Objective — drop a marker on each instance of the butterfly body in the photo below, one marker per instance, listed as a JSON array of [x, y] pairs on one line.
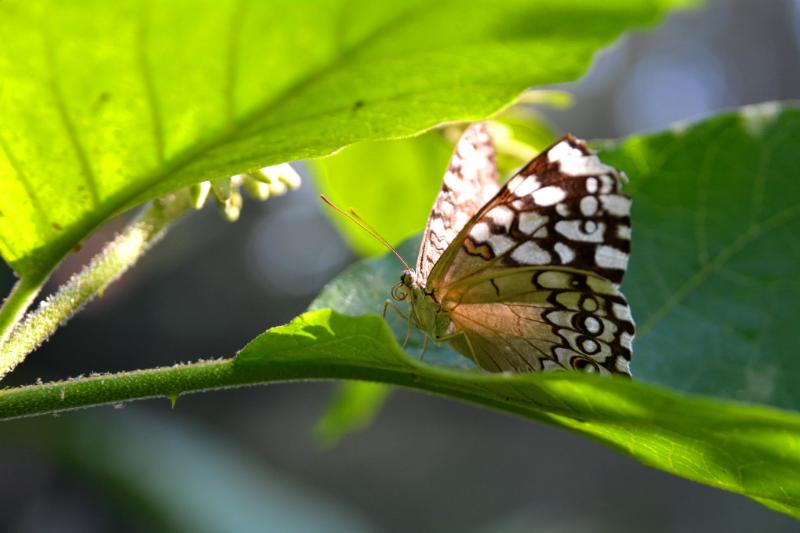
[[426, 312], [524, 277]]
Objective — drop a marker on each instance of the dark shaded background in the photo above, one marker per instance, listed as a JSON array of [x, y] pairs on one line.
[[427, 464]]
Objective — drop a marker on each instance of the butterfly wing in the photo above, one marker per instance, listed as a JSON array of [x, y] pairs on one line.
[[470, 182], [564, 208], [530, 282], [532, 319]]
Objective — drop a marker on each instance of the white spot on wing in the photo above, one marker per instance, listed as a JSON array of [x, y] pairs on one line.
[[607, 184], [609, 257], [626, 340], [480, 232], [591, 324], [526, 187], [549, 364], [502, 216], [541, 233], [529, 253], [501, 244], [591, 185], [588, 205], [585, 165], [571, 229], [616, 205], [530, 222], [589, 346], [514, 182], [560, 318], [564, 252], [622, 312], [562, 209], [561, 151], [624, 232], [574, 162], [549, 195]]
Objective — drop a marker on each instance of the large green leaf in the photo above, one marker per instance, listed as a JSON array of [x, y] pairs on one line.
[[713, 274], [751, 450], [713, 279], [107, 104]]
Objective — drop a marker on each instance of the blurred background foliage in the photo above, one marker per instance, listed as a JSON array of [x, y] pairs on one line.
[[425, 463]]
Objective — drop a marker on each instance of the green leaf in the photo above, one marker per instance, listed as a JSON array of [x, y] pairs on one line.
[[364, 288], [353, 407], [751, 450], [713, 279], [391, 184], [106, 105]]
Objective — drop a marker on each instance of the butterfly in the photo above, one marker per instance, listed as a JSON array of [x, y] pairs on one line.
[[525, 277]]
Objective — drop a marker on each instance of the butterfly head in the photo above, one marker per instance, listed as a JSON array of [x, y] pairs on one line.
[[426, 311], [406, 287]]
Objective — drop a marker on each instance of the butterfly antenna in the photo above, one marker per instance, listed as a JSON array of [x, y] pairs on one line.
[[354, 217]]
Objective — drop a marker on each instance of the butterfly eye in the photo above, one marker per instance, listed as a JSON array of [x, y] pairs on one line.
[[407, 278], [584, 365]]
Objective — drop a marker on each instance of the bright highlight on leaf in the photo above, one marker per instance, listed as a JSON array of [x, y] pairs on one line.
[[182, 92], [751, 450]]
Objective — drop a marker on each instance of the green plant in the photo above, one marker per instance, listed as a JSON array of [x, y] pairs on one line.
[[98, 122]]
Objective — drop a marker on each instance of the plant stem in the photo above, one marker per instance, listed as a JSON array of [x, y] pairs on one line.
[[19, 300], [116, 257], [208, 375], [102, 389]]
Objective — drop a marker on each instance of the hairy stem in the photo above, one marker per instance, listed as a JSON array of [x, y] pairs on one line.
[[19, 300], [102, 389], [29, 332], [207, 375]]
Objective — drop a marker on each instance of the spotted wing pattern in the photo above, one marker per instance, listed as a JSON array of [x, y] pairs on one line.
[[530, 282], [527, 320], [470, 182], [564, 208]]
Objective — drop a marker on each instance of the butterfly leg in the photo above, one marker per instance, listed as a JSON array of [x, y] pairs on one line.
[[466, 339], [389, 304], [424, 347]]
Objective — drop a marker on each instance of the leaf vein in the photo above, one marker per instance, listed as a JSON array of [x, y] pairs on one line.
[[752, 234], [42, 220], [146, 74], [67, 122]]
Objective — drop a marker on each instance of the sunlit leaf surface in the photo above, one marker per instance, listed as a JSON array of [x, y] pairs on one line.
[[107, 104], [751, 450]]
